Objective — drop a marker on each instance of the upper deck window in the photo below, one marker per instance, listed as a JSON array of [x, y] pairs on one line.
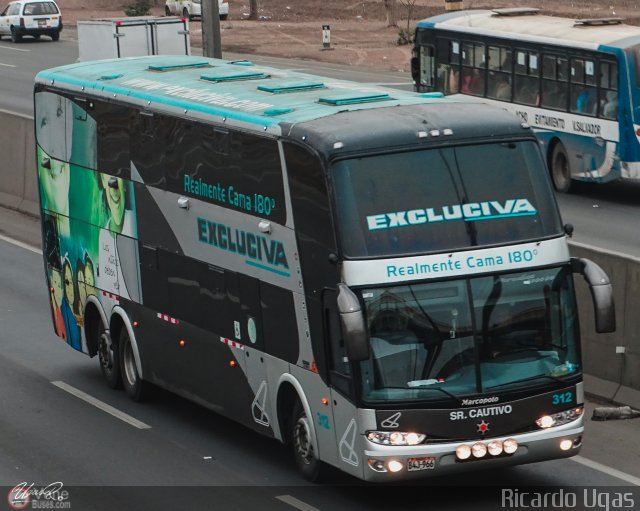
[[437, 200]]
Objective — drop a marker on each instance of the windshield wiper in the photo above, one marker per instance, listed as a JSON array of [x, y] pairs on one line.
[[531, 378], [451, 395]]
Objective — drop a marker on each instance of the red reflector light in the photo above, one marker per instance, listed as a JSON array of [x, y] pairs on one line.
[[184, 19], [182, 343], [638, 132], [118, 23], [232, 363], [135, 324]]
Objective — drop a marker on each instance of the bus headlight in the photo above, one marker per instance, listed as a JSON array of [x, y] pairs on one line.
[[557, 419], [396, 437]]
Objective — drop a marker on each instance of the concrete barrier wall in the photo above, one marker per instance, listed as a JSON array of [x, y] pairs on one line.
[[18, 180], [609, 374]]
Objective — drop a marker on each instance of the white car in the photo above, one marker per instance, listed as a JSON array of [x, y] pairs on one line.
[[31, 17], [189, 9]]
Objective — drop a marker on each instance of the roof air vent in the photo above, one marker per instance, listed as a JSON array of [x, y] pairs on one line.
[[594, 22], [515, 11], [280, 88], [355, 99], [225, 75], [163, 68]]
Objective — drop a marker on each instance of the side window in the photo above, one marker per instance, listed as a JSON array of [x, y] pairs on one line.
[[608, 90], [113, 138], [554, 82], [527, 72], [448, 66], [499, 80], [473, 69], [583, 93], [51, 119]]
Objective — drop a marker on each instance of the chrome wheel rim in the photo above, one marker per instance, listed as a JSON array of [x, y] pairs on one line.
[[129, 365], [105, 351], [302, 440]]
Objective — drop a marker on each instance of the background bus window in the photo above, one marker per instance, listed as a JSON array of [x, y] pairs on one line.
[[473, 69], [527, 72], [499, 79], [554, 82], [448, 66], [608, 90], [427, 65], [584, 99]]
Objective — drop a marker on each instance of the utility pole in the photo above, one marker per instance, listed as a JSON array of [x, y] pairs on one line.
[[211, 40]]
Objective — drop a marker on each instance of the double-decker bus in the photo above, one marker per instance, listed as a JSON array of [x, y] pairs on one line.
[[574, 81], [379, 278]]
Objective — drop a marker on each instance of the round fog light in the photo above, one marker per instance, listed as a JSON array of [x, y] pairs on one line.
[[566, 444], [479, 450], [510, 446], [495, 448], [395, 466], [463, 452]]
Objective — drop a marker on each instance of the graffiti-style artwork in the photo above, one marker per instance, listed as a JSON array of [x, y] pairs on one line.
[[85, 213]]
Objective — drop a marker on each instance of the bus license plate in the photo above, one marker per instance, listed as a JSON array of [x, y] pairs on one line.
[[415, 464]]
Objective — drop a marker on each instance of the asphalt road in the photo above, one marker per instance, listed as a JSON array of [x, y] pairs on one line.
[[188, 457]]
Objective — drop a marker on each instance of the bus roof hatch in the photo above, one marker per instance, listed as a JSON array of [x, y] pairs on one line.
[[515, 11], [593, 22]]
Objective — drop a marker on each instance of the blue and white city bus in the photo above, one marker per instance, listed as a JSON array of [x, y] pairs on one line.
[[576, 82], [378, 278]]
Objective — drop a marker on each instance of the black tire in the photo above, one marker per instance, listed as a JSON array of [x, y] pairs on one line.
[[560, 169], [224, 17], [37, 37], [15, 37], [310, 466], [185, 13], [55, 35], [135, 387], [109, 358], [167, 11]]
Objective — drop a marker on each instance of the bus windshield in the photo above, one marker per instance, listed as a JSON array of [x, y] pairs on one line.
[[467, 336], [442, 199]]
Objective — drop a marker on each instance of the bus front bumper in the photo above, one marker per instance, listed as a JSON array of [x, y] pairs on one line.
[[440, 459]]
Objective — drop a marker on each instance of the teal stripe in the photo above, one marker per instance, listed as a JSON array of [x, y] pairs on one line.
[[263, 267], [498, 216]]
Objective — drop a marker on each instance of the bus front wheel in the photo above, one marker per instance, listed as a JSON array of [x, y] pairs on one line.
[[136, 388], [310, 466], [560, 169], [109, 360]]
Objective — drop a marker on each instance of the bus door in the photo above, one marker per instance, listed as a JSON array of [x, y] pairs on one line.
[[345, 419]]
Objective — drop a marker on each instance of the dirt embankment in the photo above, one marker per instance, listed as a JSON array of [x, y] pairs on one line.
[[360, 35]]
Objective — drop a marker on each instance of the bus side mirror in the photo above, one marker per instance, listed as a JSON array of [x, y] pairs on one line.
[[352, 322], [601, 293]]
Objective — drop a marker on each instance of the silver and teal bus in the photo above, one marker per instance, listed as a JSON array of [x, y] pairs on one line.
[[576, 82], [378, 278]]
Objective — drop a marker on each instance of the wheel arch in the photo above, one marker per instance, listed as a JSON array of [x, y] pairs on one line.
[[94, 317], [120, 320], [289, 389]]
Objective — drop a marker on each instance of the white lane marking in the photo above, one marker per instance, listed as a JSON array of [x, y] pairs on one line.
[[17, 243], [607, 470], [14, 49], [6, 65], [298, 504], [101, 405]]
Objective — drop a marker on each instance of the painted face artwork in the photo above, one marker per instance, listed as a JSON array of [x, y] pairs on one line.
[[115, 197], [69, 290], [89, 278], [82, 290], [55, 181], [56, 285]]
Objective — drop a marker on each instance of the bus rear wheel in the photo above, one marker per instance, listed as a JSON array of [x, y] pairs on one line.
[[109, 360], [136, 388], [560, 169], [310, 466]]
